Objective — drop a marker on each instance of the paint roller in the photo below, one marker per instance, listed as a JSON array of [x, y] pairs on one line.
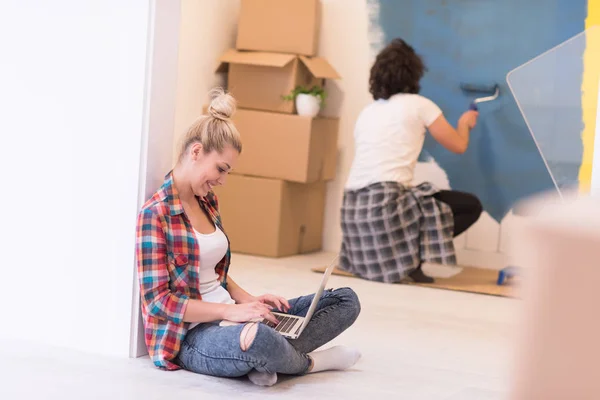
[[492, 91]]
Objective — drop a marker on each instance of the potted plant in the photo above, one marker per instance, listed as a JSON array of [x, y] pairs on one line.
[[308, 101]]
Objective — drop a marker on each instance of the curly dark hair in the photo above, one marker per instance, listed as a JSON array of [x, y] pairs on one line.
[[397, 69]]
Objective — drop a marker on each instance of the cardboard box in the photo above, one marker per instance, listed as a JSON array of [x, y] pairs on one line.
[[281, 26], [259, 80], [288, 147], [271, 217]]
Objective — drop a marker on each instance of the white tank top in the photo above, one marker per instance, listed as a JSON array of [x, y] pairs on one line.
[[213, 247]]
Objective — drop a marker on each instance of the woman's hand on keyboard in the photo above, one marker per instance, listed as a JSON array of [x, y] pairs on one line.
[[278, 302], [249, 311]]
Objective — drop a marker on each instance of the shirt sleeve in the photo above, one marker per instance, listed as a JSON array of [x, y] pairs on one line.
[[428, 111], [153, 274]]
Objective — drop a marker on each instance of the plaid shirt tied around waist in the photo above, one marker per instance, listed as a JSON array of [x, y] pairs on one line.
[[389, 229]]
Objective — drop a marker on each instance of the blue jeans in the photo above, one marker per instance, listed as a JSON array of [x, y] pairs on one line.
[[215, 350]]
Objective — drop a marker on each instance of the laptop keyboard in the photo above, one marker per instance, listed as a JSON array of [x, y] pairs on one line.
[[286, 323]]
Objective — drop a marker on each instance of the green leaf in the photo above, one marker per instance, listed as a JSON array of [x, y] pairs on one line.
[[314, 91]]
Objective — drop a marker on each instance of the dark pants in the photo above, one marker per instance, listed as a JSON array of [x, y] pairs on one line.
[[466, 208]]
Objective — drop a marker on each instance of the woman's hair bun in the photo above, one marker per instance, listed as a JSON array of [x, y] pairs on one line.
[[222, 105]]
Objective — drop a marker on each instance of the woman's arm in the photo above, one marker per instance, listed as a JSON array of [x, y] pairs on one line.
[[455, 140], [153, 275], [201, 311], [237, 293], [242, 297]]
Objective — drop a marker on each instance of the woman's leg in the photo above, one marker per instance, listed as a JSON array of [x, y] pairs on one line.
[[466, 208], [233, 351], [336, 311]]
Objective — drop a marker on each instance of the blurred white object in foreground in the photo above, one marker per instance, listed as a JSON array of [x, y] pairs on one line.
[[558, 247]]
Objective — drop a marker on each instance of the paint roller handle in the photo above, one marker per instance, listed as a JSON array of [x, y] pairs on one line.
[[473, 107]]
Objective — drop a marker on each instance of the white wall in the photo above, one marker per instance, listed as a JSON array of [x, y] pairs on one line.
[[72, 80], [159, 121], [208, 28], [344, 22], [347, 22]]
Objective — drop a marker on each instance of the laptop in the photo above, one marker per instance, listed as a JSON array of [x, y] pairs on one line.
[[291, 326]]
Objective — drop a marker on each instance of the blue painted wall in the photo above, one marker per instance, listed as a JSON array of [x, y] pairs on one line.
[[481, 41]]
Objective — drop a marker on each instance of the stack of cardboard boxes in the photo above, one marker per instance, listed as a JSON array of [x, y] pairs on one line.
[[273, 203]]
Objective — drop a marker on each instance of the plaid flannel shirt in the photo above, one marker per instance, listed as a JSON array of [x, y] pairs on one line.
[[389, 229], [168, 266]]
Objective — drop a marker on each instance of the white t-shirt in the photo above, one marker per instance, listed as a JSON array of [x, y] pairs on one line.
[[213, 247], [389, 136]]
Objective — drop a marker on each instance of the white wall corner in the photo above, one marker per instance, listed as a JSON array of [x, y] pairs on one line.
[[159, 121]]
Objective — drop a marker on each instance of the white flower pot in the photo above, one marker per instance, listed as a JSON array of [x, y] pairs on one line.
[[308, 105]]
